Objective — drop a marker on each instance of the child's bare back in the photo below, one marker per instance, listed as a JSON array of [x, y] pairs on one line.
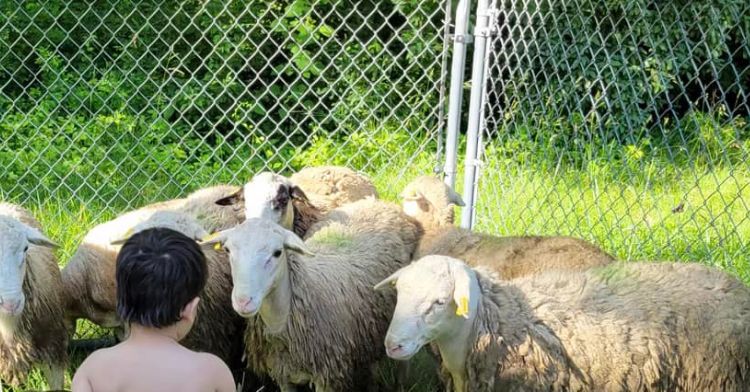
[[160, 275], [149, 363]]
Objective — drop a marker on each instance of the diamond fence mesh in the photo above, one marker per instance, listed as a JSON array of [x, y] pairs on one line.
[[623, 122], [110, 105]]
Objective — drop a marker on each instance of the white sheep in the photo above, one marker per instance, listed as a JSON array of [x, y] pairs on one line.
[[431, 203], [298, 202], [32, 331], [329, 187], [89, 276], [621, 327], [312, 315]]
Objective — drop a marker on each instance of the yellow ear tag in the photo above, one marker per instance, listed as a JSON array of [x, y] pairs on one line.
[[217, 246], [463, 307]]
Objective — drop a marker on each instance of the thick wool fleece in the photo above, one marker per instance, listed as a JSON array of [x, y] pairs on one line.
[[39, 336], [512, 257], [329, 187], [337, 322], [622, 327]]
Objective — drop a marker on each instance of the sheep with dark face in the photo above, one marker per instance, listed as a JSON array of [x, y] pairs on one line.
[[621, 327], [32, 331], [298, 202], [431, 203], [313, 318], [274, 197]]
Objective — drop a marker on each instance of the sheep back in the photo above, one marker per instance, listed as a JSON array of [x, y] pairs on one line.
[[329, 187], [625, 326], [202, 206], [513, 257], [89, 276], [337, 322]]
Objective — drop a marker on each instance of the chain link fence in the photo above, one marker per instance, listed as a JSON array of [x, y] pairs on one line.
[[109, 105], [114, 104], [623, 122]]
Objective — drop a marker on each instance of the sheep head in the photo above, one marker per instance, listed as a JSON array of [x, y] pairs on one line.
[[270, 196], [15, 239], [430, 200], [258, 251], [437, 296]]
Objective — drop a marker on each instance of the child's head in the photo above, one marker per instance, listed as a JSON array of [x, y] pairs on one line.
[[160, 274]]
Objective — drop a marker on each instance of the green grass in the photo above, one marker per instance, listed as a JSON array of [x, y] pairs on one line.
[[623, 205]]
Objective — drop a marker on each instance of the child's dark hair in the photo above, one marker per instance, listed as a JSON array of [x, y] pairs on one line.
[[159, 271]]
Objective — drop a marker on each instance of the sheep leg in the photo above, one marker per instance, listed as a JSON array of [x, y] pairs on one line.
[[55, 375]]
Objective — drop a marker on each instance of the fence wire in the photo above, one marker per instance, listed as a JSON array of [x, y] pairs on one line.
[[122, 102], [623, 122], [110, 105]]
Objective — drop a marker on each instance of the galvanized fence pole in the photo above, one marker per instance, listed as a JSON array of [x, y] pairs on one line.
[[460, 40], [482, 32]]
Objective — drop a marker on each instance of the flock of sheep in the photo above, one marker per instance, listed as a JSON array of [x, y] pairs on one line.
[[313, 281]]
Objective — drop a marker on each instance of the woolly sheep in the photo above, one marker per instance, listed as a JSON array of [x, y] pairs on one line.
[[89, 276], [274, 197], [318, 320], [312, 191], [31, 310], [621, 327], [217, 328], [329, 187], [431, 202]]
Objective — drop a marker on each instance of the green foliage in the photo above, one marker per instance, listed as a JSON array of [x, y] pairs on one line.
[[113, 99], [620, 71]]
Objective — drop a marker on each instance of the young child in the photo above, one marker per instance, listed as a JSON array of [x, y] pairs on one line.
[[160, 274]]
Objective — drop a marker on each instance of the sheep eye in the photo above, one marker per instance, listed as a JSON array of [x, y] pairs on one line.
[[226, 249], [440, 302], [277, 253], [26, 249]]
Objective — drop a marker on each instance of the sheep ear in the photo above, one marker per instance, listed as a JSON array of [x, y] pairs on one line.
[[391, 279], [124, 237], [462, 281], [297, 193], [409, 195], [295, 244], [235, 198], [454, 198], [215, 240], [416, 202], [35, 237]]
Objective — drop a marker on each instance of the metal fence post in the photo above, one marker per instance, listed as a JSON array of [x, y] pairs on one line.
[[460, 40], [482, 33]]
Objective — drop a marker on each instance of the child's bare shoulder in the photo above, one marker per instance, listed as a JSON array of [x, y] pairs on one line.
[[99, 358], [216, 370], [209, 361]]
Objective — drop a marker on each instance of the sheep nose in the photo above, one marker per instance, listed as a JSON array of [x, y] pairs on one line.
[[10, 306], [245, 305], [392, 347]]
